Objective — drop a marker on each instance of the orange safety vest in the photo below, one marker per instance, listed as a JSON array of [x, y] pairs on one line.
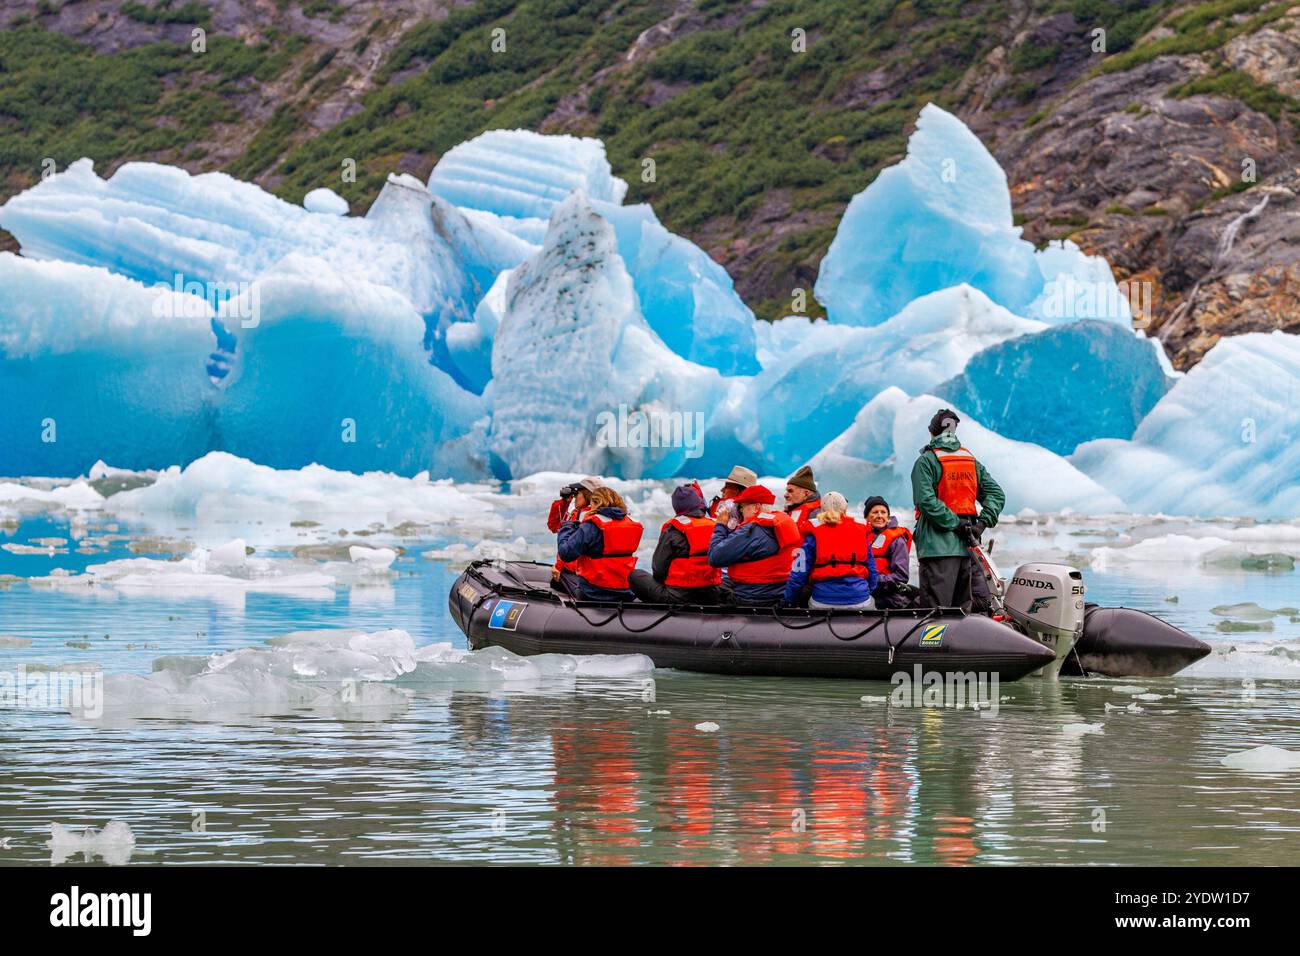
[[959, 482], [775, 568], [611, 569], [887, 538], [843, 550], [694, 570]]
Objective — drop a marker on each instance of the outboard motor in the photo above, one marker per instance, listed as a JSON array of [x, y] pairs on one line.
[[1046, 601]]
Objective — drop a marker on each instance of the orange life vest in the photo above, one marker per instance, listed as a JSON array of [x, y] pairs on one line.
[[887, 537], [692, 571], [776, 567], [959, 482], [620, 538], [843, 550]]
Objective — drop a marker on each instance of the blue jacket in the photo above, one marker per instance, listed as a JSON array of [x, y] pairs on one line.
[[849, 589], [578, 538], [749, 542]]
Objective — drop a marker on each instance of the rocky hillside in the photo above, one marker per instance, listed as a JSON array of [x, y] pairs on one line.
[[1169, 144]]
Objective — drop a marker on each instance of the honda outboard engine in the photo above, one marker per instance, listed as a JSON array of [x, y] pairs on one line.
[[1046, 601]]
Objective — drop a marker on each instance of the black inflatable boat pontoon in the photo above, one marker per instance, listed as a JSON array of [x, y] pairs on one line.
[[512, 605]]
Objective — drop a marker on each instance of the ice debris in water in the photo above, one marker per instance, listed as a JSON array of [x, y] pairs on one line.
[[9, 640], [113, 843], [707, 727], [1079, 730], [343, 673], [1265, 758]]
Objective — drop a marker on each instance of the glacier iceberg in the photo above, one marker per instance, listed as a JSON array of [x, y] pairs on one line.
[[572, 346], [940, 218], [1220, 442], [1061, 386], [817, 376], [513, 180], [94, 365], [874, 456]]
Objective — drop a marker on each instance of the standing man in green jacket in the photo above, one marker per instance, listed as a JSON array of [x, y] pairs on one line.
[[956, 501]]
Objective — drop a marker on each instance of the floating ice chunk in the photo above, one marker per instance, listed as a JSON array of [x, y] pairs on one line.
[[325, 202], [873, 699], [1151, 697], [10, 641], [114, 843], [707, 727], [372, 557], [1266, 758], [1220, 441], [1079, 730], [232, 554], [1130, 689]]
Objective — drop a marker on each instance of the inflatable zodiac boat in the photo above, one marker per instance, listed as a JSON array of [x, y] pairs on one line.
[[512, 605]]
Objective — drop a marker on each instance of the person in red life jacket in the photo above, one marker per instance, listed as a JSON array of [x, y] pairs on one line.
[[736, 482], [835, 559], [891, 547], [602, 549], [756, 546], [802, 500], [572, 505], [680, 570], [956, 501]]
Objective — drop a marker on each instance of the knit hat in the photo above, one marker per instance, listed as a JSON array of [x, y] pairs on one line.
[[755, 495], [941, 421], [803, 478], [872, 502], [740, 475], [687, 498]]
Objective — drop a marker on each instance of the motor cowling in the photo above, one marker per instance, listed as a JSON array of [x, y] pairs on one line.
[[1046, 600]]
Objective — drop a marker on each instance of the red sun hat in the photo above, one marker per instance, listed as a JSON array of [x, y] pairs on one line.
[[755, 495]]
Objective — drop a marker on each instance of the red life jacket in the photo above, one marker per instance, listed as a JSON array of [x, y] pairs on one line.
[[560, 563], [621, 538], [803, 514], [775, 568], [886, 539], [959, 482], [693, 571], [843, 550]]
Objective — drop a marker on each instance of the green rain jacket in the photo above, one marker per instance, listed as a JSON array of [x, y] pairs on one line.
[[934, 536]]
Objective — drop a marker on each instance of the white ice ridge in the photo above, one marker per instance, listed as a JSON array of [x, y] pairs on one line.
[[1266, 759]]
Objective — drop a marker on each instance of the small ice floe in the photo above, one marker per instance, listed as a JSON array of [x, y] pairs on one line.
[[1134, 708], [874, 699], [325, 202], [9, 640], [113, 844], [1128, 689], [232, 554], [707, 727], [658, 713], [1152, 697], [1266, 758], [372, 557], [1080, 730]]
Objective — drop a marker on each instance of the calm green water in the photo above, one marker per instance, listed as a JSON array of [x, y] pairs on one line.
[[616, 771]]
